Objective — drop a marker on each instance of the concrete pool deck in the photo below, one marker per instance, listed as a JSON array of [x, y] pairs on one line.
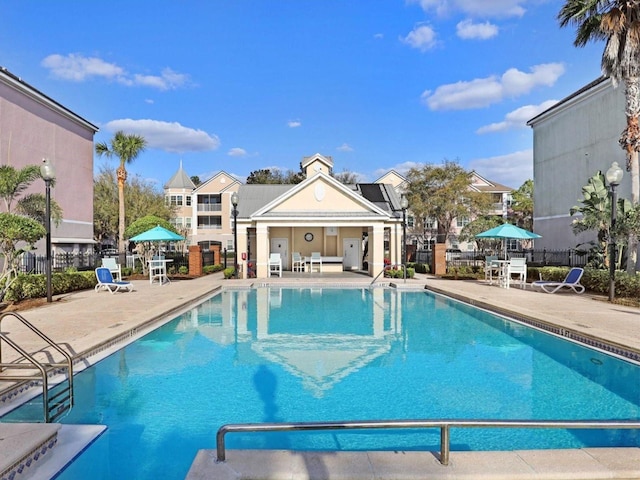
[[88, 322]]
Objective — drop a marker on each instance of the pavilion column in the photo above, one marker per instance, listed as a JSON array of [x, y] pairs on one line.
[[376, 249], [242, 248], [262, 251]]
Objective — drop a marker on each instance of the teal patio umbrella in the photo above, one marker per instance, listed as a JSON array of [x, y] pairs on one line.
[[157, 234], [508, 231]]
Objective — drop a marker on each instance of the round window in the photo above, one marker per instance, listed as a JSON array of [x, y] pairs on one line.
[[308, 236]]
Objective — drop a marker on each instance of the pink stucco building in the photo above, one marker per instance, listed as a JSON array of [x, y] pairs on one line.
[[34, 126]]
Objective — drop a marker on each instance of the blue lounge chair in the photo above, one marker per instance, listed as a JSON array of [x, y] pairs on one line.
[[572, 281], [106, 281]]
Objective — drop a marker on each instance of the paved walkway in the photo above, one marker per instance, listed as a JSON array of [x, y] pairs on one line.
[[87, 322]]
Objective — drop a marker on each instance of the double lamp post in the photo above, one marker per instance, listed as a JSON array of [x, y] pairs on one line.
[[614, 177]]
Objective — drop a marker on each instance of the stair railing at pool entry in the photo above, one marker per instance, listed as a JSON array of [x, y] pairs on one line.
[[444, 426], [374, 280], [26, 367]]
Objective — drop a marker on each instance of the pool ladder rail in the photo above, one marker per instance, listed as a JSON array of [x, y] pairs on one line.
[[445, 427], [48, 361]]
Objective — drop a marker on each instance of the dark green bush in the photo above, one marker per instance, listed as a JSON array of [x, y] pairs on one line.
[[212, 269], [28, 286]]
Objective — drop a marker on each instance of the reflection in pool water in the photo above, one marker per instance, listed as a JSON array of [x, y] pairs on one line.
[[272, 354]]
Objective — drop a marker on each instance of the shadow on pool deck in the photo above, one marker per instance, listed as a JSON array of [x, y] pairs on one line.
[[88, 321]]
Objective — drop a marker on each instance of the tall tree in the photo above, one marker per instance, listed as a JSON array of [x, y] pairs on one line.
[[617, 22], [346, 177], [140, 199], [522, 205], [274, 176], [442, 192], [126, 147]]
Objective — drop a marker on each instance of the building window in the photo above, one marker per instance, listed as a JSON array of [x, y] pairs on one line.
[[187, 222], [174, 200], [462, 222], [209, 222], [430, 224], [187, 200], [410, 221]]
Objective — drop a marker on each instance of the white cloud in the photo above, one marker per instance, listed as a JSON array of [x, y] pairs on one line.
[[237, 152], [378, 36], [423, 38], [467, 30], [401, 168], [294, 123], [345, 147], [78, 68], [511, 170], [168, 136], [482, 92], [517, 118], [476, 8]]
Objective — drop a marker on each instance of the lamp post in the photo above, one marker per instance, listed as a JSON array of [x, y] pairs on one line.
[[613, 176], [404, 203], [48, 174], [234, 202]]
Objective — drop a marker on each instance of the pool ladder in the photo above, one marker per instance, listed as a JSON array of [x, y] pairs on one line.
[[39, 366]]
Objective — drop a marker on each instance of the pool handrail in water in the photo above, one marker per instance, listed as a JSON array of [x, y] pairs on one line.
[[443, 425]]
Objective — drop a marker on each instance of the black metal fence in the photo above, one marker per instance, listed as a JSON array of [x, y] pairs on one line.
[[60, 262], [537, 258]]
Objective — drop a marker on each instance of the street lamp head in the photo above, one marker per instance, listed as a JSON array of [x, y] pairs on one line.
[[234, 199], [47, 171], [614, 174], [404, 202]]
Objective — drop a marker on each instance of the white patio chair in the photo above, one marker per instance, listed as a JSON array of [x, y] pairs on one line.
[[158, 270], [297, 264], [316, 259], [518, 266], [491, 268], [113, 267], [275, 264]]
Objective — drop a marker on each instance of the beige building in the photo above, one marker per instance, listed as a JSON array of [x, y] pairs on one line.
[[34, 126], [353, 227]]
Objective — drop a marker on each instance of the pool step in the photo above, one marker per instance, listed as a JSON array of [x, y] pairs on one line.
[[23, 445]]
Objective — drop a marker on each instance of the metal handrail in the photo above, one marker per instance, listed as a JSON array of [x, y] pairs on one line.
[[376, 277], [443, 425], [68, 361]]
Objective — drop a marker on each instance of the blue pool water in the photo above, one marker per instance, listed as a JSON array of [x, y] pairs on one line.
[[271, 354]]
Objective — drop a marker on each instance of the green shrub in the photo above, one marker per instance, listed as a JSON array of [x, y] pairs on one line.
[[212, 269], [229, 272], [28, 286], [183, 270]]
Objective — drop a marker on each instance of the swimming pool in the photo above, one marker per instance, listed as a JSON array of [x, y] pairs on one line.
[[272, 354]]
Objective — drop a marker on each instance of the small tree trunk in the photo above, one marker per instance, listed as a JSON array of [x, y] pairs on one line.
[[122, 178]]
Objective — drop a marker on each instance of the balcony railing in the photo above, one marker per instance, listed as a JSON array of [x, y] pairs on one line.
[[209, 207]]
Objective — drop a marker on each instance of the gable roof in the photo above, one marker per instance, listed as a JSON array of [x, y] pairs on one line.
[[234, 181], [365, 207]]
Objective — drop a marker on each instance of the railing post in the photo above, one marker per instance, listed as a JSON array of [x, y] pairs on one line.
[[444, 445], [220, 450]]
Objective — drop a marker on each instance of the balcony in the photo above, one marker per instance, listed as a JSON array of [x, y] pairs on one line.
[[209, 207]]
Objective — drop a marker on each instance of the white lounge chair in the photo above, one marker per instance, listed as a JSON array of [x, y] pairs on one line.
[[106, 281], [275, 264], [113, 267], [518, 266], [572, 281], [316, 259], [297, 264]]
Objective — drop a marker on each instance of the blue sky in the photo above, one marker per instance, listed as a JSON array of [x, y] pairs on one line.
[[238, 85]]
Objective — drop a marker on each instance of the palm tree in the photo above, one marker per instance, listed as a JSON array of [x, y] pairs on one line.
[[617, 22], [14, 182], [126, 147]]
